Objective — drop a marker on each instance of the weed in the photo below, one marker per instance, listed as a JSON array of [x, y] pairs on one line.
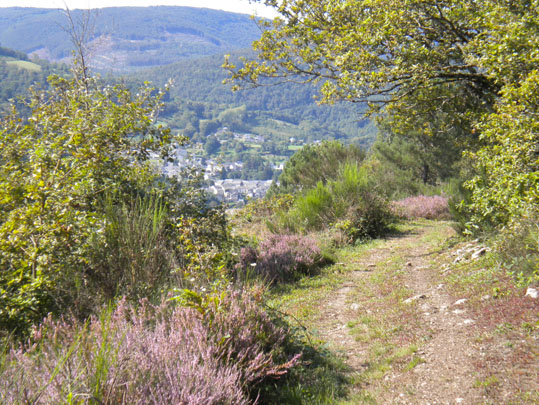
[[416, 360]]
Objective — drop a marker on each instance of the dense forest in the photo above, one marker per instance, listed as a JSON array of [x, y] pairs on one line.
[[198, 97], [119, 284], [18, 73]]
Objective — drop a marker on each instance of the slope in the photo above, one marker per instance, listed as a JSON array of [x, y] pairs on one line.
[[127, 38], [281, 111]]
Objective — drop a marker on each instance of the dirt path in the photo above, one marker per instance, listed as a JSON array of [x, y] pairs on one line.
[[445, 348]]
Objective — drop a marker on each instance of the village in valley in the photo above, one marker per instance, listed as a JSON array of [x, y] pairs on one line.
[[224, 172]]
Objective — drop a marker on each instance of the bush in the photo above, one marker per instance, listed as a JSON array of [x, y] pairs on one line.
[[367, 220], [315, 163], [152, 355], [516, 247], [81, 141], [248, 338], [348, 202], [281, 257], [421, 206]]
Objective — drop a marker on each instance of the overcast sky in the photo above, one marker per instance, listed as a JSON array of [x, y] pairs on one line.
[[237, 6]]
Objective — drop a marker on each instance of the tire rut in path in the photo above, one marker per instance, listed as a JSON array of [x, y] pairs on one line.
[[446, 374]]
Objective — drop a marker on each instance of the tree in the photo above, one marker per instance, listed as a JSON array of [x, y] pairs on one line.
[[409, 60], [457, 69], [83, 142], [380, 51], [315, 163], [506, 186], [212, 145]]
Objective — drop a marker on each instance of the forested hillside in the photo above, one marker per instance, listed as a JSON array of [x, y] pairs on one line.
[[18, 73], [199, 103], [127, 38]]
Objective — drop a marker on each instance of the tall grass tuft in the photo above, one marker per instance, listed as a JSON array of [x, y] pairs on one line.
[[348, 202], [132, 256]]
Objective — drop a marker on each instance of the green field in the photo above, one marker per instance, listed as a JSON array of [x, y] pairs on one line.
[[22, 64]]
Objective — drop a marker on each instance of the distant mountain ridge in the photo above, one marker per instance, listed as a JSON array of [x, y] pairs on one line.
[[186, 44], [129, 38]]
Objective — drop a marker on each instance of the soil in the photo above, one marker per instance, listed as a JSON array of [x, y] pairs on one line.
[[448, 328]]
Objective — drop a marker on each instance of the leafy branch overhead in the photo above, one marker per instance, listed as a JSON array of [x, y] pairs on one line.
[[377, 51], [433, 71]]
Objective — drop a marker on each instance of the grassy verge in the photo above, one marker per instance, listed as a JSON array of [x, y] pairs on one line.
[[507, 328]]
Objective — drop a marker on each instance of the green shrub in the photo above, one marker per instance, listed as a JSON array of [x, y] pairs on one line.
[[517, 248], [85, 214], [348, 202], [81, 141], [315, 163]]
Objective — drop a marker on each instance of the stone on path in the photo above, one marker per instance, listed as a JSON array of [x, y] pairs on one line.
[[532, 292], [414, 298]]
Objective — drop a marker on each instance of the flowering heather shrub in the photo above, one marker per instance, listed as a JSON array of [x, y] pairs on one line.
[[434, 207], [281, 257], [152, 355], [248, 338]]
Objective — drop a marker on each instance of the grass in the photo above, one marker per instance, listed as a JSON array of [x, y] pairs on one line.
[[294, 147], [303, 297]]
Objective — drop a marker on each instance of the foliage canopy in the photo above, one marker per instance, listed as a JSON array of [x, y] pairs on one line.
[[463, 70], [82, 143]]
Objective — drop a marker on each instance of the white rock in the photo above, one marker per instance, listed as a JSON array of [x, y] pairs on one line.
[[460, 302], [532, 292], [355, 307], [485, 297], [459, 400], [458, 311], [440, 286], [479, 253], [468, 321], [414, 298]]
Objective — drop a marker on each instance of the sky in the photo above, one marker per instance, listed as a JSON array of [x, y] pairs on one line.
[[237, 6]]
